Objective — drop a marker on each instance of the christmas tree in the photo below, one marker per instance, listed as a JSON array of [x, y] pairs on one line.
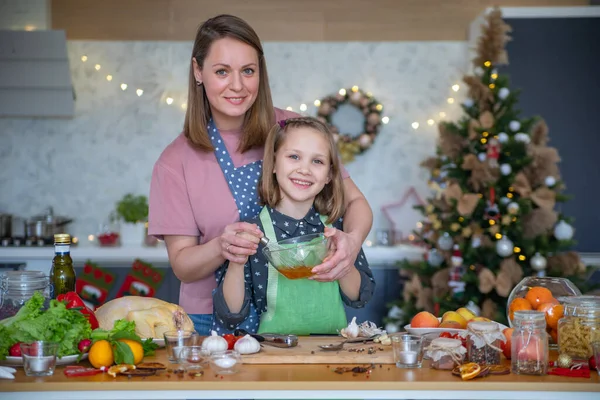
[[493, 218]]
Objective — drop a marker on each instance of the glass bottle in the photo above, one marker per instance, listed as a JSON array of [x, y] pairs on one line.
[[62, 274], [484, 342], [580, 326], [16, 287], [529, 347], [445, 353]]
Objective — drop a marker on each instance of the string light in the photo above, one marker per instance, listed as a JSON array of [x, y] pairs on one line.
[[491, 85], [517, 249], [385, 120], [442, 114], [450, 100], [379, 107], [289, 108], [123, 86], [483, 140], [415, 125], [97, 67], [456, 88], [169, 100], [498, 236], [355, 88], [109, 78], [184, 106], [430, 122], [494, 76], [139, 92], [522, 257], [487, 63], [303, 107], [84, 58], [342, 92], [484, 134], [492, 222], [317, 103]]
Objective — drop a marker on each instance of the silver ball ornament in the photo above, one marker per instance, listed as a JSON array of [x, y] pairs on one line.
[[538, 262], [514, 125], [445, 241], [563, 231], [505, 169], [434, 257], [503, 93], [550, 181], [513, 208], [504, 247], [502, 137], [482, 157]]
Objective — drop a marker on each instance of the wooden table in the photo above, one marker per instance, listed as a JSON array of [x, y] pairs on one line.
[[299, 381]]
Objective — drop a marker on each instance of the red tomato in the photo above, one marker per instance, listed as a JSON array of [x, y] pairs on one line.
[[446, 335], [15, 350], [231, 339]]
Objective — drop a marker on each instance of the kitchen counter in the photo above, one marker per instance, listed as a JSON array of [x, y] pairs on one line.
[[300, 381]]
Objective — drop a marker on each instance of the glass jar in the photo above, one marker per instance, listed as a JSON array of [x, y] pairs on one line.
[[445, 353], [16, 287], [529, 343], [580, 326], [484, 342]]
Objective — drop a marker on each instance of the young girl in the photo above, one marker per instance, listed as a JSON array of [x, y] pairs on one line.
[[302, 192]]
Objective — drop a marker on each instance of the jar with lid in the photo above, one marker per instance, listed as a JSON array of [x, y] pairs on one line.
[[580, 326], [445, 353], [484, 341], [529, 343], [16, 287]]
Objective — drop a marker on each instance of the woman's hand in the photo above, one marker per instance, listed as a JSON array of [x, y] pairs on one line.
[[346, 248], [240, 240]]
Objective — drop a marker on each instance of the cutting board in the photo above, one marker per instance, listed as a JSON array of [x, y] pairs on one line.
[[308, 352]]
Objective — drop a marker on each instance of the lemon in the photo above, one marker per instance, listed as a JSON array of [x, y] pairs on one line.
[[101, 354], [136, 349]]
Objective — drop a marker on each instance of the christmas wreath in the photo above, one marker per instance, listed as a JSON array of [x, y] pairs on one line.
[[348, 145]]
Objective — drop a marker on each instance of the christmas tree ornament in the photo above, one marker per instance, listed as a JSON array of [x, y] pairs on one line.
[[491, 210], [456, 259], [395, 312], [474, 308], [503, 93], [482, 157], [504, 247], [504, 201], [503, 137], [505, 169], [478, 71], [476, 242], [468, 102], [513, 208], [514, 125], [563, 231], [550, 181], [564, 360], [522, 137], [457, 272], [538, 262], [493, 152], [434, 257], [445, 241]]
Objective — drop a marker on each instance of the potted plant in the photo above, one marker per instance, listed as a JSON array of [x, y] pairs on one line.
[[132, 210]]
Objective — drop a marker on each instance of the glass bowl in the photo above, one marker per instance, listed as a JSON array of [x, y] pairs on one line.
[[225, 362], [527, 293], [193, 357], [295, 258]]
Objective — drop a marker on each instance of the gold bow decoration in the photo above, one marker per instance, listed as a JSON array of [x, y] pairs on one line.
[[466, 202], [542, 196]]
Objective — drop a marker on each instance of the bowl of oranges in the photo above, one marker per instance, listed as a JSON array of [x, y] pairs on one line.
[[541, 294]]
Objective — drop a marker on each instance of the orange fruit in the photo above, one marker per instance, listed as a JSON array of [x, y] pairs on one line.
[[553, 314], [115, 369], [554, 335], [101, 354], [518, 304], [136, 349], [538, 295]]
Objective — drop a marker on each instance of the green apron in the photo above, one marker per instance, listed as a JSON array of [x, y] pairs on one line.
[[299, 306]]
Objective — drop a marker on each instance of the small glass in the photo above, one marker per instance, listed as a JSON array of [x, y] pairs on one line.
[[39, 358], [596, 348], [175, 340], [225, 362], [408, 350], [193, 357]]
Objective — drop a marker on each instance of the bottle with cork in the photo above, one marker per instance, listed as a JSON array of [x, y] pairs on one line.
[[62, 274]]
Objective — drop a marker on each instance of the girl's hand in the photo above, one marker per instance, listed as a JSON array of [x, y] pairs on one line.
[[336, 266], [239, 240]]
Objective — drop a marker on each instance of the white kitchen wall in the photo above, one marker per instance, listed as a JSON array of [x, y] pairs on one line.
[[82, 166]]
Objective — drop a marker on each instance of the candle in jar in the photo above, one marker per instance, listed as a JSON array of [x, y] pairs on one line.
[[408, 357], [40, 364], [227, 362]]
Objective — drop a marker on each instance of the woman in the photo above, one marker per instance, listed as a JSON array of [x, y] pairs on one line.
[[204, 182]]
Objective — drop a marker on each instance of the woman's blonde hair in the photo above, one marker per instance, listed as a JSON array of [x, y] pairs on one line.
[[330, 201], [261, 115]]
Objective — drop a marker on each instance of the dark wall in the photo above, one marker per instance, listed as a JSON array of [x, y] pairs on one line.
[[556, 64]]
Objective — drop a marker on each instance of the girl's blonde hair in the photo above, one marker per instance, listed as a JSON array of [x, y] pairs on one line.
[[261, 115], [330, 201]]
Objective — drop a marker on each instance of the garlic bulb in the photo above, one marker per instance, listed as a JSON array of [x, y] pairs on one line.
[[368, 329], [247, 345], [351, 331], [214, 343]]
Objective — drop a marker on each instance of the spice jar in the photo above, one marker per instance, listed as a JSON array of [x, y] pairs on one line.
[[16, 287], [484, 342], [580, 326], [445, 353], [529, 348]]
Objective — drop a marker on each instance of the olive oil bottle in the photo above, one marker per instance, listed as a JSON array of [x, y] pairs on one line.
[[62, 274]]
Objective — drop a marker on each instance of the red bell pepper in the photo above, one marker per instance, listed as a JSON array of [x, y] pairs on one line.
[[72, 300]]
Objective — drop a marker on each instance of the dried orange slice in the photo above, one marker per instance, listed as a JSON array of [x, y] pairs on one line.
[[120, 368], [469, 371]]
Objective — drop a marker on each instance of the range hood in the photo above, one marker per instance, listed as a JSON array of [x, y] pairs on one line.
[[35, 80]]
